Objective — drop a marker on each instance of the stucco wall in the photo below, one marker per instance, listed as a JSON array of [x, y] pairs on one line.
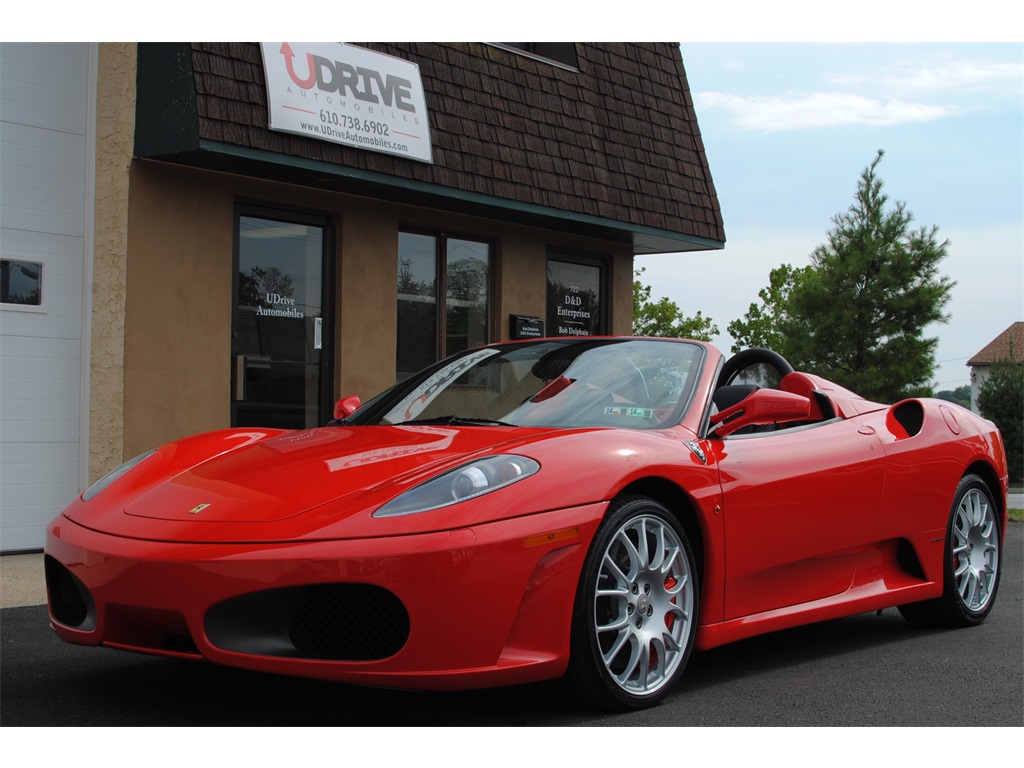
[[365, 300], [115, 121], [178, 331]]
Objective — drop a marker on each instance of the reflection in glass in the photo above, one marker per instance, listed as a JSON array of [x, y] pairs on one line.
[[462, 267], [467, 283], [574, 299], [21, 282], [636, 384], [417, 302], [275, 345]]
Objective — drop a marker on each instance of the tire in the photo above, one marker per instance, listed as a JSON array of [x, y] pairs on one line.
[[636, 608], [971, 565]]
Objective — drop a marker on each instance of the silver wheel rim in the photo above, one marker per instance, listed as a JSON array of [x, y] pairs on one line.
[[975, 540], [643, 605]]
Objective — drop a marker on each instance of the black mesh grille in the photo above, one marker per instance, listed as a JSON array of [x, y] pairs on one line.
[[910, 415], [70, 603], [336, 622], [354, 622]]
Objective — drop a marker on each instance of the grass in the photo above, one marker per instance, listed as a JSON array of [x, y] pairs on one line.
[[1017, 515]]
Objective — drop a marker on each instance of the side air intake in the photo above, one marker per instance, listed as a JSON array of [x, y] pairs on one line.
[[910, 416]]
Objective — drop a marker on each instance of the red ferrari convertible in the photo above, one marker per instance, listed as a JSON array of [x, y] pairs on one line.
[[590, 509]]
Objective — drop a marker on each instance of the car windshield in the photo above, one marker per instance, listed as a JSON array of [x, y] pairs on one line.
[[632, 383]]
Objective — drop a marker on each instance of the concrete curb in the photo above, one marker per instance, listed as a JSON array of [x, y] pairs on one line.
[[22, 581]]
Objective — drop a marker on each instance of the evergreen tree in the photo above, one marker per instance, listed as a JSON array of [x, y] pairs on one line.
[[858, 314], [1001, 400]]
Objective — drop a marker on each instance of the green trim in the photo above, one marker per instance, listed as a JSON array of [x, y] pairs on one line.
[[406, 186]]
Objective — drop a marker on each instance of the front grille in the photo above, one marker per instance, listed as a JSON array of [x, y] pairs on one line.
[[70, 602], [335, 622]]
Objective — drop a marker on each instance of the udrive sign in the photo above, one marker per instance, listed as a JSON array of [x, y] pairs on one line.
[[348, 95]]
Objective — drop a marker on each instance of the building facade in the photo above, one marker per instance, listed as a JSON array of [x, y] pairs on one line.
[[1005, 349], [263, 228]]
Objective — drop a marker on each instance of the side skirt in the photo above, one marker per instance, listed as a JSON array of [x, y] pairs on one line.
[[873, 596]]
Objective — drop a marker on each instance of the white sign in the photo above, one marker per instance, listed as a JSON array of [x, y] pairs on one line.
[[348, 95]]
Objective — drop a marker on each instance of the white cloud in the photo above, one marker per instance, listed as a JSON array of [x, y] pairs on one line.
[[958, 76], [819, 110]]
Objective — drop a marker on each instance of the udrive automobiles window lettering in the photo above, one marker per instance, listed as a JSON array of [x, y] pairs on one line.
[[361, 97]]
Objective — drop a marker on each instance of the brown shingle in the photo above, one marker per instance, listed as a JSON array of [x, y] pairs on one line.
[[1009, 345], [622, 128]]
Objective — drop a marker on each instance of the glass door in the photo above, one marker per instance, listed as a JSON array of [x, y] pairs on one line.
[[280, 347]]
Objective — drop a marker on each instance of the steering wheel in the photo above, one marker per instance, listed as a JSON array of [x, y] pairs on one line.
[[749, 357]]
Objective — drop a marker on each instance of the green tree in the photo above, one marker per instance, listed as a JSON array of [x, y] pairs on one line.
[[858, 314], [253, 287], [960, 395], [664, 317], [1001, 400], [760, 327]]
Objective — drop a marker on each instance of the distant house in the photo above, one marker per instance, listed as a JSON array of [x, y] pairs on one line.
[[1009, 345]]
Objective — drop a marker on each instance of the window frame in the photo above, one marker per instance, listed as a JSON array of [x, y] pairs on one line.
[[602, 263], [441, 241], [44, 270], [529, 51]]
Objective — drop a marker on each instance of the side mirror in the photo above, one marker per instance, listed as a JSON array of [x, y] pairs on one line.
[[764, 406], [346, 407]]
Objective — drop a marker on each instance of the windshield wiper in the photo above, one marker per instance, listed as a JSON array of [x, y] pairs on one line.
[[454, 420]]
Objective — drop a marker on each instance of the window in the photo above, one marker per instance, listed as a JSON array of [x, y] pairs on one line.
[[433, 324], [559, 53], [281, 339], [575, 297], [21, 284]]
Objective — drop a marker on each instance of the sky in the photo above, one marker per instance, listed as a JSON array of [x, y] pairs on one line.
[[789, 127]]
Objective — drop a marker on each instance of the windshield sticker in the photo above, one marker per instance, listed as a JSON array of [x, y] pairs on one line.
[[640, 413]]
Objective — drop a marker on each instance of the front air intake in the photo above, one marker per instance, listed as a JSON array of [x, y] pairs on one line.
[[70, 602], [335, 622], [355, 622]]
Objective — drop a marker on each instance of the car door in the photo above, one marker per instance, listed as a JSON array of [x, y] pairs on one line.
[[799, 506]]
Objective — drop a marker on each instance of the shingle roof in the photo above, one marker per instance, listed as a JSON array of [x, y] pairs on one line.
[[618, 139], [1008, 345]]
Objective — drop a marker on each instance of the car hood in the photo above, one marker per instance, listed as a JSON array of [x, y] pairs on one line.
[[294, 472], [249, 486]]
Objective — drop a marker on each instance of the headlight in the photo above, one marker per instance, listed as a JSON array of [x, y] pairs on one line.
[[465, 482], [110, 477]]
